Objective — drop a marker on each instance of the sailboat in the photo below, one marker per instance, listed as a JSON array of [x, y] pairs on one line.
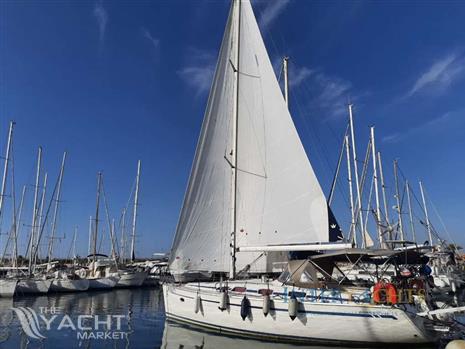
[[252, 197], [101, 273], [130, 276], [8, 285], [63, 279]]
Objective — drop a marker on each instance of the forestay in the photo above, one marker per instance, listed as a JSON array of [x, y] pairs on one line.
[[279, 199]]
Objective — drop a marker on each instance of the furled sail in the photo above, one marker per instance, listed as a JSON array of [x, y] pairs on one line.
[[278, 197]]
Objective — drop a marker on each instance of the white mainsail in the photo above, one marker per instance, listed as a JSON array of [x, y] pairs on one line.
[[278, 197]]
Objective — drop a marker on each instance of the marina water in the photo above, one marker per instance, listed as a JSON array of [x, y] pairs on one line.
[[90, 320]]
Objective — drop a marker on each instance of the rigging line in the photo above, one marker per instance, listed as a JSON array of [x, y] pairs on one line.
[[247, 267], [322, 157], [36, 250], [306, 86], [435, 233], [312, 132], [362, 186], [336, 173], [15, 222], [315, 135], [133, 188], [440, 219], [253, 174], [114, 244], [322, 153], [281, 67], [250, 75]]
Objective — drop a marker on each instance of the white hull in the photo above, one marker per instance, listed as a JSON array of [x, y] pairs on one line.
[[7, 287], [33, 286], [102, 283], [68, 285], [131, 279], [332, 320]]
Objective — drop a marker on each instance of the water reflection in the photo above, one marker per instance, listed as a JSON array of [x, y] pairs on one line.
[[177, 336], [144, 323], [140, 312]]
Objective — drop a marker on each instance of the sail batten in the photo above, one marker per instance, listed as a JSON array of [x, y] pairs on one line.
[[276, 198]]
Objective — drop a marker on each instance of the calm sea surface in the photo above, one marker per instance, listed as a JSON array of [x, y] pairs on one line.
[[107, 319]]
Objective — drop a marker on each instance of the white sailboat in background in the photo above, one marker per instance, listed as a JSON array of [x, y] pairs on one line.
[[101, 273], [32, 283], [132, 277], [7, 285], [64, 279], [252, 197]]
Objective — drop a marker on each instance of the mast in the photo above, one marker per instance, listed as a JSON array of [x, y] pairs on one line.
[[94, 247], [338, 167], [90, 235], [134, 217], [34, 210], [113, 247], [399, 210], [55, 210], [111, 231], [5, 167], [428, 225], [41, 211], [286, 80], [375, 178], [383, 189], [17, 228], [357, 183], [74, 243], [351, 195], [123, 235], [410, 214], [232, 271]]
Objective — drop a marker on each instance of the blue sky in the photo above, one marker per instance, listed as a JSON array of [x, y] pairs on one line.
[[112, 82]]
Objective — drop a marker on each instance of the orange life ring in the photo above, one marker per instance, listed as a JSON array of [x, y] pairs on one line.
[[384, 293]]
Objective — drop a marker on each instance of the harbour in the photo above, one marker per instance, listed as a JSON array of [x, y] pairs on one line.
[[285, 216], [143, 323]]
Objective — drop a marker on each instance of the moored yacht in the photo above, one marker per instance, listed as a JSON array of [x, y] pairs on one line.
[[69, 280], [131, 278], [101, 273], [8, 287], [252, 198], [33, 285]]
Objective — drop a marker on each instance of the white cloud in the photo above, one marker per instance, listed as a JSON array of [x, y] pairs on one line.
[[331, 94], [327, 95], [101, 15], [429, 124], [299, 75], [271, 11], [154, 41], [199, 73], [440, 75], [392, 138]]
